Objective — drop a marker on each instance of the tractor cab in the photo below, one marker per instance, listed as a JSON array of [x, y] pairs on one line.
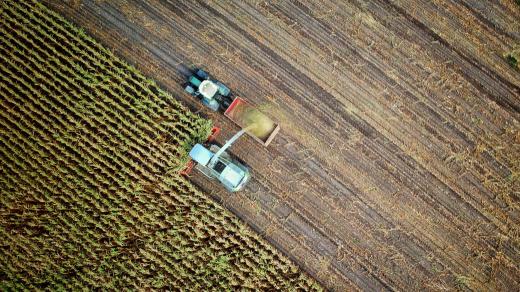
[[212, 93]]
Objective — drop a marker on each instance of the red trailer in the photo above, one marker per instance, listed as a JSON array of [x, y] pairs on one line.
[[239, 110]]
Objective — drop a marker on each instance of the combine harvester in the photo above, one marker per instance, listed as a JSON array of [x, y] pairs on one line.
[[212, 160]]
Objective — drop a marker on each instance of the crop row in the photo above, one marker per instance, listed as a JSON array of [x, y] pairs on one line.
[[90, 152]]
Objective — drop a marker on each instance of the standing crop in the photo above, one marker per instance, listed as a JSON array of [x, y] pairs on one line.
[[90, 194]]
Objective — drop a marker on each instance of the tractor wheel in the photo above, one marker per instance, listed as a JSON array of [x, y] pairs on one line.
[[226, 102], [202, 74], [223, 89]]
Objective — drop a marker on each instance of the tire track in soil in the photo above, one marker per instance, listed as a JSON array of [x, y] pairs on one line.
[[381, 190]]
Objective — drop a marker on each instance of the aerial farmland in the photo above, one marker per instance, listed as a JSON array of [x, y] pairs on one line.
[[396, 165]]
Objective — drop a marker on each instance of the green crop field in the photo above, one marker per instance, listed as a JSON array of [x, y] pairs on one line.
[[90, 152]]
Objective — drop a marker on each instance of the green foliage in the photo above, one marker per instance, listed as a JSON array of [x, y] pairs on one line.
[[91, 198], [462, 282], [512, 60], [220, 265]]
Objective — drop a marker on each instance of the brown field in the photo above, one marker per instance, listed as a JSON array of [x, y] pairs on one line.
[[397, 166], [91, 195]]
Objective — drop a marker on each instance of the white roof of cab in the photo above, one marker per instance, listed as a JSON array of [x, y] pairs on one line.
[[208, 89]]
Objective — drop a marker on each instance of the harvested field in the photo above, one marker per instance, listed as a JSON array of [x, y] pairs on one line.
[[397, 166], [90, 194]]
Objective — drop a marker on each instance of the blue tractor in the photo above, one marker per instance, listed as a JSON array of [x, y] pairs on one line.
[[212, 93]]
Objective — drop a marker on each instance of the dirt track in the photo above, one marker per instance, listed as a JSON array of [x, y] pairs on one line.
[[398, 162]]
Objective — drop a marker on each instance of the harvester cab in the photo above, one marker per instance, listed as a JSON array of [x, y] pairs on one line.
[[212, 93], [216, 163]]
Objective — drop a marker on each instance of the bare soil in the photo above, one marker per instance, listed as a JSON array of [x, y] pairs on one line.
[[397, 166]]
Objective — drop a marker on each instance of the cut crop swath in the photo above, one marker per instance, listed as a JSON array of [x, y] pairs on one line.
[[90, 152]]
